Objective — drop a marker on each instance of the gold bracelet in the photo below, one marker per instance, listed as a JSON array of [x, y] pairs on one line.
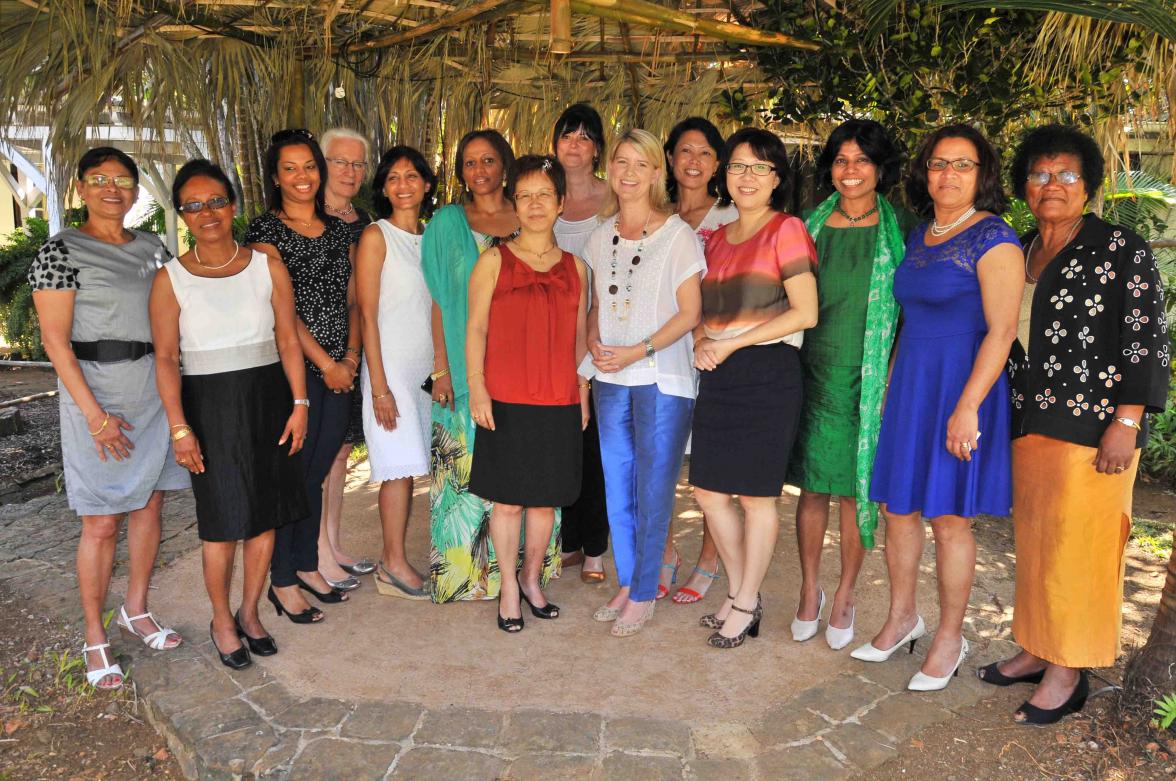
[[350, 358], [585, 385], [384, 395], [472, 375], [352, 350], [103, 426], [183, 432], [180, 425], [438, 374]]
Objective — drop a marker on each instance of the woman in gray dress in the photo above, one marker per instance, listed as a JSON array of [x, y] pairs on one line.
[[90, 287]]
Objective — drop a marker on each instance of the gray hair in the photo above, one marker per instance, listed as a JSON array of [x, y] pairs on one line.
[[341, 133]]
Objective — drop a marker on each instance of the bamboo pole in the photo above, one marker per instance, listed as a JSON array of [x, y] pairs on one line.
[[561, 27], [455, 19]]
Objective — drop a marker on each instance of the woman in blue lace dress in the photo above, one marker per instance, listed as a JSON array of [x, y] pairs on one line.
[[960, 289]]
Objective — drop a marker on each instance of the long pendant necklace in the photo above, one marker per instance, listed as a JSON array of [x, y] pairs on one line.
[[1032, 244], [614, 286], [855, 220], [943, 230], [196, 251]]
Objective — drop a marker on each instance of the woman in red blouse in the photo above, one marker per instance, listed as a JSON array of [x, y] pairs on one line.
[[525, 337]]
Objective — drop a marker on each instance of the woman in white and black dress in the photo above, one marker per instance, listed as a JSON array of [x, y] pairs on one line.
[[317, 251], [396, 315], [229, 312]]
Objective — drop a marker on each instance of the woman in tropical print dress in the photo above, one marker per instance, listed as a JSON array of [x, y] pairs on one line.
[[461, 564]]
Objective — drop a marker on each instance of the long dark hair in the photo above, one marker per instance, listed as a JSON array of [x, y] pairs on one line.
[[496, 140], [713, 137], [278, 142], [583, 118], [990, 196], [380, 202]]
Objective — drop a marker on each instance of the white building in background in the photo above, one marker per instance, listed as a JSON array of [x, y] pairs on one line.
[[34, 182]]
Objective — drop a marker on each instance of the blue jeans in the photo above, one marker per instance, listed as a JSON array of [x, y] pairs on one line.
[[642, 440]]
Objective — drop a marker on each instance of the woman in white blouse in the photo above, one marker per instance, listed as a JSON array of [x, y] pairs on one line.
[[647, 265]]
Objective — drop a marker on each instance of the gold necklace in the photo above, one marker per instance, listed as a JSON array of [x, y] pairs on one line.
[[288, 218]]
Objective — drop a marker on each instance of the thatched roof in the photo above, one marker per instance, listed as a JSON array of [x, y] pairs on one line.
[[412, 71]]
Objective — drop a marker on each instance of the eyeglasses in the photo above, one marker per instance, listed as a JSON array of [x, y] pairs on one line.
[[359, 166], [759, 169], [1042, 178], [543, 196], [216, 202], [961, 164], [101, 180]]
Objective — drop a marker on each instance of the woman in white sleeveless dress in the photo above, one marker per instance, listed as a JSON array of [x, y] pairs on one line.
[[395, 314]]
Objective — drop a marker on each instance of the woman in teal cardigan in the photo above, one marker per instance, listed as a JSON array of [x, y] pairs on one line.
[[462, 565]]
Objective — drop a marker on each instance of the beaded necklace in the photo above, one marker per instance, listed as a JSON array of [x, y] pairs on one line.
[[614, 287]]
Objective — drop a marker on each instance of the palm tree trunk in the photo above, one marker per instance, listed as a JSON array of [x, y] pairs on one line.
[[1154, 668]]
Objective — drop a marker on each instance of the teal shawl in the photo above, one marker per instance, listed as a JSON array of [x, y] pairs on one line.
[[448, 255], [881, 319]]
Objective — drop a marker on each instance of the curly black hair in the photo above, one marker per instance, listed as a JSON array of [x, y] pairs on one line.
[[990, 195], [874, 141], [1053, 140]]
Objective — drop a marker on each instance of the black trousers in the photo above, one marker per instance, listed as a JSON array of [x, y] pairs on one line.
[[296, 544], [585, 523]]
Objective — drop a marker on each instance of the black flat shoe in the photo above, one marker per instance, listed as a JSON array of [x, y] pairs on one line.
[[332, 597], [258, 646], [237, 660], [312, 615], [547, 611], [992, 674], [1040, 717], [510, 625]]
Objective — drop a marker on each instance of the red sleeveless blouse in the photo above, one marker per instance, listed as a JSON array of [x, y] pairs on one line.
[[531, 334]]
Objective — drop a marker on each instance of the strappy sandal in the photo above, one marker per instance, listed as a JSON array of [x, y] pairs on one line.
[[688, 595], [95, 677], [664, 591], [157, 640]]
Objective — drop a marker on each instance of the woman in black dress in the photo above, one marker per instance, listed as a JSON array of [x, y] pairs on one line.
[[317, 251]]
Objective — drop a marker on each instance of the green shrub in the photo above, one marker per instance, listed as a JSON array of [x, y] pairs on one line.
[[18, 320]]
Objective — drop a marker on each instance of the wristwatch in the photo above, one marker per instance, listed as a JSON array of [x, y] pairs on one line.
[[649, 351], [303, 402]]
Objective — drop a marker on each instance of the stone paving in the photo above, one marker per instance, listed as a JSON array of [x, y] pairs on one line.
[[250, 725]]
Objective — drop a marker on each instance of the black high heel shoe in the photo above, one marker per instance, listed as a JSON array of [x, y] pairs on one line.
[[1039, 717], [332, 597], [718, 640], [547, 611], [259, 646], [312, 615], [992, 674], [237, 660]]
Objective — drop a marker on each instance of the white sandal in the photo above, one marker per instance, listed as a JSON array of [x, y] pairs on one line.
[[94, 677], [156, 641]]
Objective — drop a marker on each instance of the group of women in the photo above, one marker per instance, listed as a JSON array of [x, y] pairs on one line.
[[586, 332]]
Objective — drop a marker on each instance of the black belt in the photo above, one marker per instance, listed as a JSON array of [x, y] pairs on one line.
[[111, 350]]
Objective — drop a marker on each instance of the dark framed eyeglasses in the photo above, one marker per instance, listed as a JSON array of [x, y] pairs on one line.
[[101, 180], [216, 202], [961, 164], [1042, 178], [759, 169]]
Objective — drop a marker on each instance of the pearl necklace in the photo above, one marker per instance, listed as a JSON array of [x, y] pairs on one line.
[[196, 252], [943, 230], [342, 212]]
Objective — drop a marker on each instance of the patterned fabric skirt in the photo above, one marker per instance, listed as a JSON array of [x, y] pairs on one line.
[[1072, 525], [461, 563]]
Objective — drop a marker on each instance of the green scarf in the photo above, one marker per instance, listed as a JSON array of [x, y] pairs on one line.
[[881, 319]]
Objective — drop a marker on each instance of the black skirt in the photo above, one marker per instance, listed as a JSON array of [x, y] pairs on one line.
[[250, 484], [533, 457], [745, 421]]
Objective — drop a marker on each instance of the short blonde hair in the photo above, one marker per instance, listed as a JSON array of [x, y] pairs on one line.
[[344, 133], [650, 148]]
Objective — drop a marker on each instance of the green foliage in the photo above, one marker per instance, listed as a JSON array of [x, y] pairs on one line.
[[927, 66], [1166, 710], [18, 319], [1152, 536]]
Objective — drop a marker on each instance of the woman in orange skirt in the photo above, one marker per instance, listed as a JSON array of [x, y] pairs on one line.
[[1095, 363]]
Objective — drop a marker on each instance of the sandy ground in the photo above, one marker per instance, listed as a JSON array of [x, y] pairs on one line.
[[378, 647]]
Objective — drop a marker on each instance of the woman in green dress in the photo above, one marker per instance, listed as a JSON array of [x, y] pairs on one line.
[[860, 239], [462, 563]]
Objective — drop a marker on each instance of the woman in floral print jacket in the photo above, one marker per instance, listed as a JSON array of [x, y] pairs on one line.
[[1097, 362]]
